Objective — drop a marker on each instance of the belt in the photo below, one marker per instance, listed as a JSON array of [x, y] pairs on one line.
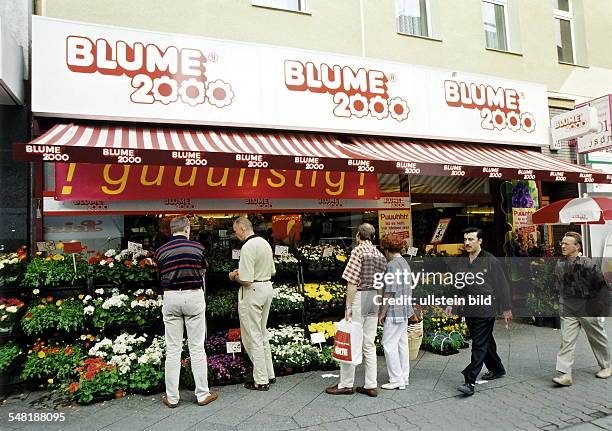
[[260, 281], [181, 289]]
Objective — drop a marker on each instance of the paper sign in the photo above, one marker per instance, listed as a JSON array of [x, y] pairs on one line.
[[45, 246], [236, 254], [438, 235], [233, 347], [72, 247], [134, 247], [281, 250], [222, 233], [317, 338], [327, 252], [412, 251]]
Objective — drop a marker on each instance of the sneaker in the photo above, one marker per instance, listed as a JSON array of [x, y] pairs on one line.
[[604, 373], [563, 379], [490, 375], [392, 386], [467, 389]]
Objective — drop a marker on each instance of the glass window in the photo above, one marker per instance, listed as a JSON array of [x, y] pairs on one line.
[[413, 17], [563, 29], [297, 5], [563, 5], [494, 19]]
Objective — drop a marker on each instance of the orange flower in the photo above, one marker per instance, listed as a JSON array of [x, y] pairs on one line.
[[28, 316], [73, 387], [128, 263], [68, 351]]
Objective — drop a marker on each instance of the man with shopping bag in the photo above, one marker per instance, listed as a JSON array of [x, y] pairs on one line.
[[361, 310]]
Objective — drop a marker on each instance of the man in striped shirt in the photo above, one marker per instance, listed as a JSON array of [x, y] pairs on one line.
[[182, 266]]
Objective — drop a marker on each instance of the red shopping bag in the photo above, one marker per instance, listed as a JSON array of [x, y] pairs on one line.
[[347, 342]]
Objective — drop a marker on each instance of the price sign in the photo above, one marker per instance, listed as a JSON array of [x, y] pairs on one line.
[[233, 347], [317, 338], [327, 252], [72, 247], [134, 247], [236, 254], [281, 250], [46, 246], [412, 251], [222, 233]]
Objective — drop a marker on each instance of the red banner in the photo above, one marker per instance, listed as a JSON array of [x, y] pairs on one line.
[[287, 227], [131, 182]]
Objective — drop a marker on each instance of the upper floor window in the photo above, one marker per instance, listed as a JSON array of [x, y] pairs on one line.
[[296, 5], [564, 29], [495, 24], [413, 17]]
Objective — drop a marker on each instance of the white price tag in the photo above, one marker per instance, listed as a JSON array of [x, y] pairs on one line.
[[222, 233], [412, 251], [46, 246], [233, 347], [327, 252], [281, 250], [236, 254], [134, 247], [317, 338]]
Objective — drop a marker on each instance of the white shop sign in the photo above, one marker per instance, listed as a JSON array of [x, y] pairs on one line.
[[67, 228], [601, 188], [164, 78], [602, 137], [53, 207], [573, 124]]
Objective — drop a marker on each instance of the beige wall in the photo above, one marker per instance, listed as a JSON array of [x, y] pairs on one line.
[[335, 26]]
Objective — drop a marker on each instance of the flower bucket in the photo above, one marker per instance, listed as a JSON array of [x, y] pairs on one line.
[[414, 344]]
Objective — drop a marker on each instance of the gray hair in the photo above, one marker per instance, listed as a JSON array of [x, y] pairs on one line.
[[179, 224], [244, 222], [366, 231]]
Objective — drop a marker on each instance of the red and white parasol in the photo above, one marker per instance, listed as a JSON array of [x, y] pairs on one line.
[[578, 210]]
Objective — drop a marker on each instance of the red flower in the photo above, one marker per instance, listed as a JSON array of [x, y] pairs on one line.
[[89, 375], [22, 253], [55, 350], [28, 316], [94, 260], [73, 387], [128, 263], [68, 351]]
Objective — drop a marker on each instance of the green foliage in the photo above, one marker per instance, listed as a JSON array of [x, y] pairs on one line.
[[64, 315], [145, 376], [58, 362], [54, 271], [223, 305], [8, 354]]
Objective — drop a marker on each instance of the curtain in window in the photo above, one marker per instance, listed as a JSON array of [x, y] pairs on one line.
[[495, 26], [412, 17]]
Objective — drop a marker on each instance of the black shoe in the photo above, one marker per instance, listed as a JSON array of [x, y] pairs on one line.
[[490, 375], [272, 380], [466, 388]]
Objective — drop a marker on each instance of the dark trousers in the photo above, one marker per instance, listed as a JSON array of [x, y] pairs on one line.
[[484, 349]]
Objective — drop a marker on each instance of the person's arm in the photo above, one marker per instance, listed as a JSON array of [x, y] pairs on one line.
[[245, 274], [502, 290], [351, 275], [350, 297]]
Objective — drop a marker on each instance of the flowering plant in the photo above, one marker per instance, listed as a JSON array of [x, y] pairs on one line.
[[121, 352], [142, 307], [436, 320], [8, 312], [54, 270], [96, 378], [290, 349], [64, 315], [286, 298], [226, 368], [215, 344], [223, 305], [53, 361], [328, 328], [326, 292], [9, 352], [317, 257], [286, 262], [148, 371], [123, 267], [11, 267], [325, 360]]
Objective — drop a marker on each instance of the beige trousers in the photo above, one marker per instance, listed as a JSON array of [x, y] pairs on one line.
[[253, 309], [365, 313], [596, 334], [185, 307]]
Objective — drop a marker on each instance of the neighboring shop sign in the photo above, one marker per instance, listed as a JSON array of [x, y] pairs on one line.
[[602, 137], [573, 124], [396, 221], [521, 217], [154, 77], [82, 227], [287, 227], [124, 182], [171, 206]]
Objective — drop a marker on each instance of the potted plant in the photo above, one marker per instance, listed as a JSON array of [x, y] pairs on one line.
[[51, 363], [97, 381], [53, 315], [12, 266], [9, 311]]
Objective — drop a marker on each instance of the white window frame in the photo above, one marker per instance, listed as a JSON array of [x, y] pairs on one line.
[[302, 6], [567, 16], [504, 4], [427, 11]]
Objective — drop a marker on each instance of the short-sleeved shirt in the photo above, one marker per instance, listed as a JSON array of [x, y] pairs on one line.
[[401, 288], [181, 264], [256, 260], [365, 261]]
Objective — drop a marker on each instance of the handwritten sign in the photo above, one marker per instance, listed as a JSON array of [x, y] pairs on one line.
[[46, 246], [233, 347], [236, 254], [281, 250], [134, 247]]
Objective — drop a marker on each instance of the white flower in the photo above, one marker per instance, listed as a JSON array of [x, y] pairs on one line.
[[13, 261], [398, 108], [2, 306], [110, 252], [379, 107], [192, 92], [528, 122], [11, 309], [88, 297], [99, 291], [219, 93], [102, 262], [499, 119], [110, 265], [358, 105], [88, 310], [36, 291], [165, 90], [513, 121], [83, 337]]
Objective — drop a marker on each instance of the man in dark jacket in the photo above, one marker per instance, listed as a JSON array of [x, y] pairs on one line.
[[488, 289]]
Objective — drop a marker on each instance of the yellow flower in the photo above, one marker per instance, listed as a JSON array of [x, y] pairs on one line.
[[59, 246], [58, 302], [90, 337], [41, 354], [81, 296], [50, 381], [58, 257], [341, 257], [38, 253]]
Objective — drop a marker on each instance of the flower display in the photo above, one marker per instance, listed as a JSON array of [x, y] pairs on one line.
[[9, 353], [54, 270], [226, 368], [436, 320], [48, 315], [215, 344], [8, 313], [120, 352], [325, 292], [12, 267], [328, 328], [52, 361], [141, 307], [123, 267], [222, 305], [290, 349], [96, 378], [286, 298], [286, 262]]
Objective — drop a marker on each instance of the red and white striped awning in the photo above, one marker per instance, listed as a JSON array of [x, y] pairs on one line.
[[161, 146], [277, 150], [446, 159]]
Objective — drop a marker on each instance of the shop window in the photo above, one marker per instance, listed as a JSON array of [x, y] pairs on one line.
[[293, 5], [564, 30], [495, 22], [413, 17]]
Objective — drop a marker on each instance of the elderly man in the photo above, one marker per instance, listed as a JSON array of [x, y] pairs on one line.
[[182, 265], [255, 268], [361, 306], [582, 289]]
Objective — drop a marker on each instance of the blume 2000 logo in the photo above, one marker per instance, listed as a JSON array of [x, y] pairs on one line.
[[157, 75]]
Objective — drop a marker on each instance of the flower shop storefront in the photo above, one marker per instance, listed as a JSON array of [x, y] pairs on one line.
[[145, 125]]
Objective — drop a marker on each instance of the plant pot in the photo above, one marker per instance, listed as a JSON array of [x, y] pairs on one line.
[[119, 393], [289, 370], [538, 321], [556, 322]]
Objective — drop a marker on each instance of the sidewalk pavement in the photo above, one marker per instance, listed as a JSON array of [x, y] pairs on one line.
[[525, 399]]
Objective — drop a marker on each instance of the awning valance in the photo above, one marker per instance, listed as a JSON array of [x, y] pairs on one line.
[[295, 151]]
